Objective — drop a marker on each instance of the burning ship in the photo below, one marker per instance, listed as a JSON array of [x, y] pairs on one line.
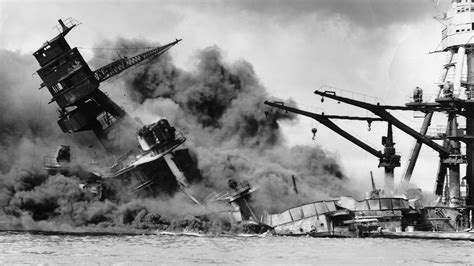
[[156, 164], [390, 216]]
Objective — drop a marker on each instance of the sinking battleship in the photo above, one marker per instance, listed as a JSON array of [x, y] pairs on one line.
[[158, 165], [397, 216]]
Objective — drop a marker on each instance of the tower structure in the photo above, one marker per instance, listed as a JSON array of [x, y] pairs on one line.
[[458, 37], [455, 93]]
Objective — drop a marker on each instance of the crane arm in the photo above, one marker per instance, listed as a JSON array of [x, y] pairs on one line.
[[118, 66], [381, 112], [328, 123]]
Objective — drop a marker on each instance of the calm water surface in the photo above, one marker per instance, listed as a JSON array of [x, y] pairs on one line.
[[23, 248]]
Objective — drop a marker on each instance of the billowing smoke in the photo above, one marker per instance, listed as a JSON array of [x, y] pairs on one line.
[[20, 119], [224, 102], [218, 106], [46, 203]]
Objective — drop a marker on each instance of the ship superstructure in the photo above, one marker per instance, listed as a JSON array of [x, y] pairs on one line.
[[158, 165]]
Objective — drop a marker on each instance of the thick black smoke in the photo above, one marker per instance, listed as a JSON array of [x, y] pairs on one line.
[[218, 105], [224, 101]]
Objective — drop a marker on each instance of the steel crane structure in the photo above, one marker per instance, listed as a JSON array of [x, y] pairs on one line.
[[388, 159], [116, 67], [449, 152]]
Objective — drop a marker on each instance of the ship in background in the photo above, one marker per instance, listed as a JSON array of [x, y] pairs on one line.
[[142, 160], [454, 98]]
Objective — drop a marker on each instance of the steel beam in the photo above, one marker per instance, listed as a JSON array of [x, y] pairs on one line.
[[328, 123], [381, 112]]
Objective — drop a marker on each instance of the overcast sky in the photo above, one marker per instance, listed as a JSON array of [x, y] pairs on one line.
[[379, 48]]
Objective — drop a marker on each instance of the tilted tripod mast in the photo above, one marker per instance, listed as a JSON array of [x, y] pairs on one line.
[[75, 87]]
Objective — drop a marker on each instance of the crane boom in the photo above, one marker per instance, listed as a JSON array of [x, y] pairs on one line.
[[380, 111], [328, 123], [116, 67], [387, 159]]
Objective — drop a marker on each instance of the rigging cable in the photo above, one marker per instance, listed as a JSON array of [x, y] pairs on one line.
[[117, 48]]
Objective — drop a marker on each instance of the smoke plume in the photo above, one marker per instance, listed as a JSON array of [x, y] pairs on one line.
[[218, 106]]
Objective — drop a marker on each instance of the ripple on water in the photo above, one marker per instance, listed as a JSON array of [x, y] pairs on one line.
[[34, 249]]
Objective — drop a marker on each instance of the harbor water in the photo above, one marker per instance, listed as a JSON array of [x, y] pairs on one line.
[[25, 248]]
